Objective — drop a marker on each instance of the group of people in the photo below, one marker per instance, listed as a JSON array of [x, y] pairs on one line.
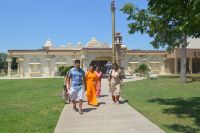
[[77, 82]]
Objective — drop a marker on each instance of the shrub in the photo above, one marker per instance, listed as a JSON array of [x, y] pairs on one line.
[[194, 77], [142, 69], [64, 69]]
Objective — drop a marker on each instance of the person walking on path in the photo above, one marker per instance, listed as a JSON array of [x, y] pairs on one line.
[[76, 85], [98, 86], [91, 82], [115, 82]]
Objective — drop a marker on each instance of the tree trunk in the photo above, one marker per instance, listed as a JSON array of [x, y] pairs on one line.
[[183, 60]]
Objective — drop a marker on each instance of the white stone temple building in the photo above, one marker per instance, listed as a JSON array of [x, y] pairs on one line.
[[45, 62]]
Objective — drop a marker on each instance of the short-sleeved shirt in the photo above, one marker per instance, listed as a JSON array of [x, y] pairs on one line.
[[76, 76], [115, 76]]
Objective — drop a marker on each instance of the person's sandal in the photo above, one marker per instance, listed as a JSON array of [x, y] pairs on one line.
[[117, 102], [75, 109], [80, 112]]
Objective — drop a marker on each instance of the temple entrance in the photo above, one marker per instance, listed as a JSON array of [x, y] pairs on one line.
[[195, 65], [103, 62]]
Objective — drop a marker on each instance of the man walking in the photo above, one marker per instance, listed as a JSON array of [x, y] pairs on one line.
[[76, 85]]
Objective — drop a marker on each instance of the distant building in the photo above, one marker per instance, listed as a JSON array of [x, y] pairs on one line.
[[45, 62]]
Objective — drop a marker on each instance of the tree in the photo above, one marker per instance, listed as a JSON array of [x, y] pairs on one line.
[[3, 63], [169, 22], [64, 69]]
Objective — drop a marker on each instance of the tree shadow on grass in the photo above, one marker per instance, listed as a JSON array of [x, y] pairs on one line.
[[182, 108], [183, 129]]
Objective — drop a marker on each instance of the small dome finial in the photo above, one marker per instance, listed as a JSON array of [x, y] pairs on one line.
[[48, 43]]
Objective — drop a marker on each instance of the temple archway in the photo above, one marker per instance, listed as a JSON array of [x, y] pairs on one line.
[[102, 62]]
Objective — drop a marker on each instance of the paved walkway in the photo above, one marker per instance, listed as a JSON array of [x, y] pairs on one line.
[[107, 118]]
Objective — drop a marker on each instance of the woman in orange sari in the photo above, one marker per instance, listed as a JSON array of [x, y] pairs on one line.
[[91, 81]]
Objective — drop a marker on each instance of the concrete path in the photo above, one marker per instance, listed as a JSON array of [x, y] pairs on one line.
[[107, 118]]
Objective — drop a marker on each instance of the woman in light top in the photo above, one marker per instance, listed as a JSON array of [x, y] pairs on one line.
[[115, 82]]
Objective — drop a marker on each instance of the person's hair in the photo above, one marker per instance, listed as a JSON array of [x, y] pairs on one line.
[[91, 65], [97, 67], [77, 61], [114, 64]]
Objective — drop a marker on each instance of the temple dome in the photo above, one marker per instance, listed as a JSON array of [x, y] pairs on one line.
[[62, 46], [48, 43], [79, 45], [93, 43], [69, 45]]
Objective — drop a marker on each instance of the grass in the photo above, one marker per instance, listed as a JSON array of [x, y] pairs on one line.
[[173, 106], [30, 105]]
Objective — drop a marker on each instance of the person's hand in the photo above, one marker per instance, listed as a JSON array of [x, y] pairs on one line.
[[85, 88], [68, 91]]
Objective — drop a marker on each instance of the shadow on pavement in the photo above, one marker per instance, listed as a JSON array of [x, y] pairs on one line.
[[88, 109], [124, 101], [101, 103], [103, 95]]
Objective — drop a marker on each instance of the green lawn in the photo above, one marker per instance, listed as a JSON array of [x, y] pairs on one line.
[[173, 106], [30, 105]]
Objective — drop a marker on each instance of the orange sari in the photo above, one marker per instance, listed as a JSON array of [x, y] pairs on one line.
[[91, 81]]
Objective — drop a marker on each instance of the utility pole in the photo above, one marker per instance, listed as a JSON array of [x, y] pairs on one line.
[[113, 31]]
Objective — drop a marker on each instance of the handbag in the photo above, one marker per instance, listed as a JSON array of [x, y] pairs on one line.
[[64, 95]]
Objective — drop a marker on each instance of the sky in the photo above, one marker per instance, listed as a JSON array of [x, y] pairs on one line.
[[27, 24]]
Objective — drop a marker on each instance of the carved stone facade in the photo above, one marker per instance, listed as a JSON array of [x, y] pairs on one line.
[[46, 61]]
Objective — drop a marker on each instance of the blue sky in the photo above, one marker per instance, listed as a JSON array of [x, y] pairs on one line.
[[27, 24]]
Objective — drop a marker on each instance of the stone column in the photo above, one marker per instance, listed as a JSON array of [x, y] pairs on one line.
[[18, 68], [118, 54], [21, 67], [175, 65], [190, 65], [163, 66], [122, 65], [49, 63], [21, 70], [81, 63], [9, 60], [48, 67], [82, 58], [85, 65]]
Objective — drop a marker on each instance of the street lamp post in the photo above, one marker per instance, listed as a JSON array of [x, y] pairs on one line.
[[113, 31], [118, 43]]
